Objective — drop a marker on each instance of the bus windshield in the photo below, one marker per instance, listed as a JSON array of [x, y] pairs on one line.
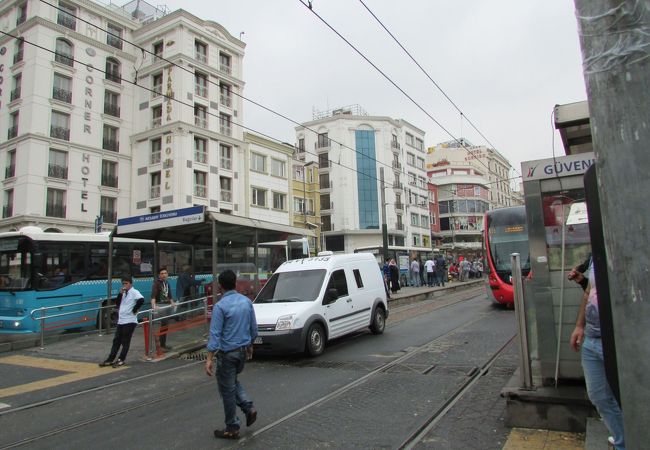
[[299, 286], [15, 264]]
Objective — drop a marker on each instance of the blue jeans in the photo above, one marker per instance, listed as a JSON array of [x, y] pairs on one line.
[[415, 279], [233, 394], [599, 391]]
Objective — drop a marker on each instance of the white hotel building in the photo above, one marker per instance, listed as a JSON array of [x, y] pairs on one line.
[[92, 125], [351, 149]]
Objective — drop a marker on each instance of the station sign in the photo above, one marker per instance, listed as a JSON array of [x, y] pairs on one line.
[[562, 166], [162, 219]]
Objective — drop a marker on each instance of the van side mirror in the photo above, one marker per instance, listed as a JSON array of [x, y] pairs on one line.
[[331, 295]]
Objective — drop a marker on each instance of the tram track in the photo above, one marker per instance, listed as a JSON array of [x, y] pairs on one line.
[[383, 368]]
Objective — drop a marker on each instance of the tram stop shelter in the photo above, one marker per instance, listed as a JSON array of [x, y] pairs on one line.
[[231, 238]]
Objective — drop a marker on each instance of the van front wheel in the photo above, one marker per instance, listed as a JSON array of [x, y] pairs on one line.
[[315, 344], [378, 321]]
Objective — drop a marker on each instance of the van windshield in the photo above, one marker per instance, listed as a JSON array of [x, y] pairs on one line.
[[299, 286]]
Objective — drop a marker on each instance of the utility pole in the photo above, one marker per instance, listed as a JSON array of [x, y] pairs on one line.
[[384, 226], [615, 40]]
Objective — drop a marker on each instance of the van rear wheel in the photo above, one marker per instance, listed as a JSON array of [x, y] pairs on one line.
[[315, 344], [378, 321]]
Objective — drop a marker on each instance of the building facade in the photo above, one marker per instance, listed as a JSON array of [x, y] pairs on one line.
[[123, 111], [306, 199], [354, 152]]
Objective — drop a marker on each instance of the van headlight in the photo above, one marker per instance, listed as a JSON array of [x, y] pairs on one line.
[[285, 322]]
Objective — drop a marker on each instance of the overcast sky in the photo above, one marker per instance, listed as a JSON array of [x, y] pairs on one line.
[[505, 63]]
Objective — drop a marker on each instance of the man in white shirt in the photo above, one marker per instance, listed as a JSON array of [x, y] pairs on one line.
[[129, 300], [430, 267]]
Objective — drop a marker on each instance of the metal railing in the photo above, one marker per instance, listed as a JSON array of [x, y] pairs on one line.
[[112, 109], [15, 94], [63, 95], [66, 20], [64, 59]]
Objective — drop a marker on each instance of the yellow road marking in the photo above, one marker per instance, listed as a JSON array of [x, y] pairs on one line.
[[529, 439], [78, 371]]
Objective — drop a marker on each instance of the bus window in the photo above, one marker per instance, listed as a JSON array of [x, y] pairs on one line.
[[62, 264]]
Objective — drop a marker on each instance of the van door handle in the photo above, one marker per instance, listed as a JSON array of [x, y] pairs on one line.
[[349, 300]]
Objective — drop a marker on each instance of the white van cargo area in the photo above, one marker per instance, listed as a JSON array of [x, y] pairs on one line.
[[309, 301]]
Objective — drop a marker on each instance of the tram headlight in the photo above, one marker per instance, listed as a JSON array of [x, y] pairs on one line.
[[284, 322]]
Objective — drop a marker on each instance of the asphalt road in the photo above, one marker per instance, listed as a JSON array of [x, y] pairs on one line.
[[397, 390]]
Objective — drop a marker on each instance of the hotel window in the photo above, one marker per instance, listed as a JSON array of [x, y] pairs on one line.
[[60, 126], [409, 139], [17, 84], [158, 50], [415, 219], [400, 223], [156, 116], [225, 153], [258, 162], [58, 165], [63, 52], [225, 185], [156, 148], [278, 168], [410, 159], [113, 70], [200, 116], [8, 204], [323, 141], [55, 203], [419, 144], [13, 125], [200, 150], [258, 197], [22, 13], [420, 163], [200, 184], [156, 85], [108, 209], [112, 103], [10, 169], [20, 50], [201, 84], [422, 182], [65, 17], [224, 63], [412, 179], [424, 221], [225, 97], [279, 201], [114, 36], [62, 88], [224, 124], [154, 191], [201, 51], [109, 173], [111, 139]]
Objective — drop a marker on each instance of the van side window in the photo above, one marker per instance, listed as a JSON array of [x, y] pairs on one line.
[[357, 277], [338, 282]]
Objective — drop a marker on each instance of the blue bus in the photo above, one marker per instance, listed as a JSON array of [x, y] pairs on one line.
[[39, 269]]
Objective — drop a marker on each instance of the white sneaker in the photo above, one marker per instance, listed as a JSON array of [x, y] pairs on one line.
[[610, 440]]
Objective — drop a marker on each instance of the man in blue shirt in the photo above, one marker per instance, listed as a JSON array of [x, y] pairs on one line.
[[233, 329]]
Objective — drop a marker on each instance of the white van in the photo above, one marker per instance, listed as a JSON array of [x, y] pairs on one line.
[[312, 300]]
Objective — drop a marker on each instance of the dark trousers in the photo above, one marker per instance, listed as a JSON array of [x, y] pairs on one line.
[[123, 334]]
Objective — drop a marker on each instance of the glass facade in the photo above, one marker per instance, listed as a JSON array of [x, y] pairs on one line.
[[367, 180]]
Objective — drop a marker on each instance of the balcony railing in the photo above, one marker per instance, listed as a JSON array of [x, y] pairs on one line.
[[201, 121], [60, 133], [114, 76], [55, 211], [226, 163], [7, 211], [399, 205], [323, 163], [395, 146], [156, 122], [200, 191], [154, 192], [66, 20], [109, 216], [154, 158], [56, 171], [112, 109], [10, 171], [18, 56], [12, 132], [225, 100], [323, 145], [109, 180], [15, 94], [64, 59], [397, 185], [157, 91], [111, 144], [201, 157], [225, 69], [397, 165], [201, 57], [62, 95], [114, 41], [226, 196], [201, 91], [326, 205], [399, 226], [226, 130]]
